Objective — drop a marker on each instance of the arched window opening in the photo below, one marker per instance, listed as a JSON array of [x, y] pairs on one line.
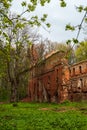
[[73, 71], [80, 69]]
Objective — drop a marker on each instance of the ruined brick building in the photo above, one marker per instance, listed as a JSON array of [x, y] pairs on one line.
[[54, 80]]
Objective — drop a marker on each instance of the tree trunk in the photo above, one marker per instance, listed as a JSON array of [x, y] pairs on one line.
[[14, 92]]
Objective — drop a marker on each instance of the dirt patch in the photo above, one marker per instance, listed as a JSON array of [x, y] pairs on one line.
[[2, 103], [62, 109], [59, 109], [83, 109], [45, 109]]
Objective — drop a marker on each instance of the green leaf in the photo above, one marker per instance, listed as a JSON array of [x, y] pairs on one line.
[[68, 42], [34, 2], [38, 24], [75, 40], [69, 27], [85, 9], [80, 8], [19, 25], [0, 32], [43, 19], [5, 35], [14, 31], [7, 20], [34, 17], [48, 25], [62, 3], [42, 2], [86, 20], [48, 1], [24, 19], [29, 43], [45, 15], [24, 3], [31, 7]]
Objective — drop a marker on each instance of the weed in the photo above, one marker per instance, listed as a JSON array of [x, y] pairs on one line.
[[43, 116]]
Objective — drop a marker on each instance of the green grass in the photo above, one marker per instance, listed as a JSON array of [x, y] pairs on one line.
[[44, 116]]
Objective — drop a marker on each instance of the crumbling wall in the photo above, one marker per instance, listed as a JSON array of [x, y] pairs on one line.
[[46, 80], [78, 82], [53, 80]]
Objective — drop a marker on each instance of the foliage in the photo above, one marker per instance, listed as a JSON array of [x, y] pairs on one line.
[[80, 26], [81, 51], [15, 40], [62, 3], [70, 116], [14, 57]]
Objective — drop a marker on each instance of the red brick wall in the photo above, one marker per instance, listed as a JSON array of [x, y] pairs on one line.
[[78, 82], [53, 80], [46, 80]]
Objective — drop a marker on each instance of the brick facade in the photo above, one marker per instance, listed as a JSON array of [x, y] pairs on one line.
[[78, 82], [54, 80]]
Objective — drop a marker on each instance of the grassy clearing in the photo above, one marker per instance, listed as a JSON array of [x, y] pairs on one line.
[[35, 116]]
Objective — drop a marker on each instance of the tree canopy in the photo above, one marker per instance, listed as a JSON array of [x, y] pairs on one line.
[[81, 51]]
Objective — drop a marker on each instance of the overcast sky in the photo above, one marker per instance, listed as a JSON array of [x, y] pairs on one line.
[[58, 17]]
